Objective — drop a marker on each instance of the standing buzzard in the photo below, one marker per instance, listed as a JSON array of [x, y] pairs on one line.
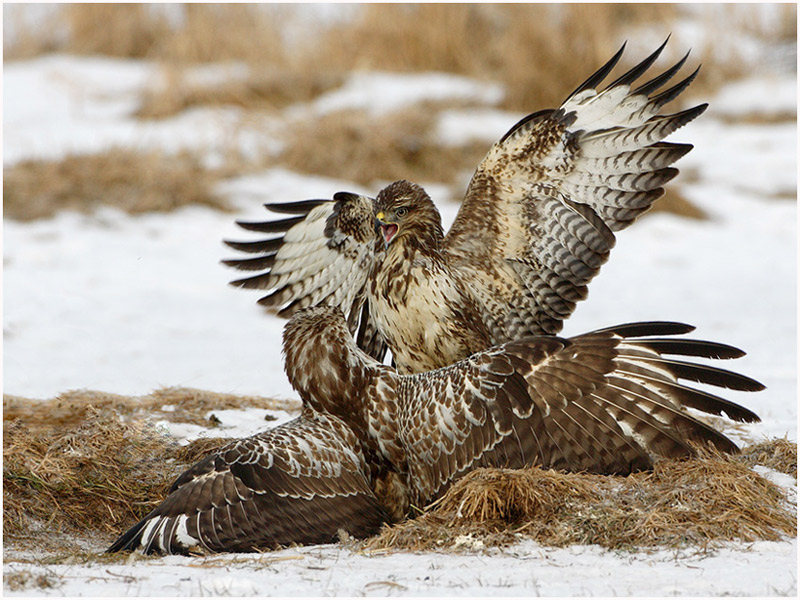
[[372, 443], [537, 223]]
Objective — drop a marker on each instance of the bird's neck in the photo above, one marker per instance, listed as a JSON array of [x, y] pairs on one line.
[[331, 376]]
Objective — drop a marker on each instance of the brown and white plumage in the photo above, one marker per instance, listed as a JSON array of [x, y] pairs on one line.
[[609, 401], [536, 225], [299, 483], [371, 444]]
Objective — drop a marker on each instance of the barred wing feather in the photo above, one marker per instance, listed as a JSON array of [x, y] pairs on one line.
[[298, 483], [322, 255], [609, 401], [540, 213]]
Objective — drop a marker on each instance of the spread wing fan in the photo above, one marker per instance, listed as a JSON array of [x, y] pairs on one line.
[[299, 483]]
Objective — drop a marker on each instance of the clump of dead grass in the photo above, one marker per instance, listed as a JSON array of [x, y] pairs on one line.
[[778, 454], [89, 463], [534, 50], [90, 478], [697, 502], [359, 147], [261, 90], [176, 404], [130, 180]]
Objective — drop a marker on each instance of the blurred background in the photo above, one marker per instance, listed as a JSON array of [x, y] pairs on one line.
[[135, 134], [252, 68]]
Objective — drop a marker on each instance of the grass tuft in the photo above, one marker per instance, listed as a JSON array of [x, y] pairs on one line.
[[130, 180], [698, 502], [86, 464], [80, 468]]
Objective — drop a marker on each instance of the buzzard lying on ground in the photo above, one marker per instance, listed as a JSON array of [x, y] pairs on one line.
[[371, 443], [537, 223]]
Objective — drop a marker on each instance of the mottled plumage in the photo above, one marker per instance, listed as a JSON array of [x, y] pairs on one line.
[[298, 483], [371, 443], [536, 225], [608, 401]]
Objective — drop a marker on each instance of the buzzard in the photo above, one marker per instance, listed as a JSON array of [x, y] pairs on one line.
[[372, 443], [536, 225]]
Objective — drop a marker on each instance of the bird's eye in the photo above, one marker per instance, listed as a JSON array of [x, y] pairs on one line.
[[401, 212]]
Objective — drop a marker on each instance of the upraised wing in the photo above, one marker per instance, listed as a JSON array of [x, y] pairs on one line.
[[540, 213], [605, 402], [323, 254], [296, 484]]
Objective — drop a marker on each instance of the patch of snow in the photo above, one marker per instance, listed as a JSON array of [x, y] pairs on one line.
[[58, 105], [759, 569], [458, 127], [759, 96], [379, 93]]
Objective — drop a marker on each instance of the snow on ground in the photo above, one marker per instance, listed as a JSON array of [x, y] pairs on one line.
[[128, 304], [526, 569]]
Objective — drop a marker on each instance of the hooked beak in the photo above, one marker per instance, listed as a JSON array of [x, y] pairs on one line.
[[388, 230]]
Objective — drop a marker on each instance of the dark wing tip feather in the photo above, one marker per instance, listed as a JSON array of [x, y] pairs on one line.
[[277, 226], [656, 82], [252, 283], [648, 328], [711, 375], [251, 264], [598, 76], [634, 73], [302, 207], [702, 348], [259, 246], [673, 92], [270, 245]]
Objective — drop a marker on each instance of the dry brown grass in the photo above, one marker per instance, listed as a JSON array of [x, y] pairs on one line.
[[778, 454], [520, 45], [259, 91], [538, 52], [79, 468], [697, 502], [85, 464], [186, 405], [358, 147], [130, 180]]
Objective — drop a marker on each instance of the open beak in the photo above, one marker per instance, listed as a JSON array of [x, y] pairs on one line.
[[388, 230]]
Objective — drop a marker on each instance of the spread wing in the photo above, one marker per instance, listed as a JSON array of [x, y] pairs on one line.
[[605, 402], [298, 483], [540, 213], [323, 254]]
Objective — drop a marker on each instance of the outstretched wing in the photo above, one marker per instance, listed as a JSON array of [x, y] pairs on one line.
[[538, 219], [323, 254], [605, 402], [296, 484]]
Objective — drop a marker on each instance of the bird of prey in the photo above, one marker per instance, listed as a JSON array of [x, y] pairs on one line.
[[535, 226], [371, 443]]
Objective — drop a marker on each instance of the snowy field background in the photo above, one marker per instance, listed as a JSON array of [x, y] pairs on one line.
[[128, 304]]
